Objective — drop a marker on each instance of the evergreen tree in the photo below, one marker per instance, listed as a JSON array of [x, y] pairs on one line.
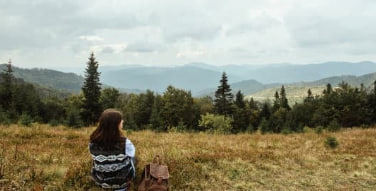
[[72, 106], [264, 126], [328, 89], [143, 110], [254, 111], [239, 100], [252, 104], [309, 97], [53, 110], [7, 87], [155, 118], [277, 102], [26, 101], [177, 106], [265, 111], [91, 108], [362, 88], [223, 98], [372, 104], [284, 103], [241, 114], [109, 97]]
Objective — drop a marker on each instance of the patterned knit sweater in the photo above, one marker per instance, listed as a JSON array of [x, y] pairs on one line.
[[112, 168]]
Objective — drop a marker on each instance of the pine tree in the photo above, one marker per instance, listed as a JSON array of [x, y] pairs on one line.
[[239, 100], [252, 104], [265, 111], [177, 106], [109, 97], [284, 102], [91, 108], [254, 114], [7, 87], [241, 115], [155, 118], [362, 88], [223, 98], [328, 89], [277, 102], [309, 97]]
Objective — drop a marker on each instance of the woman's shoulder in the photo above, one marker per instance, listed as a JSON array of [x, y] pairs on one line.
[[130, 149]]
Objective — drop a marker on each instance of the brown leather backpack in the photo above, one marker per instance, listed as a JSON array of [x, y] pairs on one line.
[[155, 176]]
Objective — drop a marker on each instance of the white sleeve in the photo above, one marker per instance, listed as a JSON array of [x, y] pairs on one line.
[[130, 150]]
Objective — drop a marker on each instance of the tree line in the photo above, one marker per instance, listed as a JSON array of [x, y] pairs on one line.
[[177, 110]]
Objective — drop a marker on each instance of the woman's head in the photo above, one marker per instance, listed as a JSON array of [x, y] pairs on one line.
[[108, 130]]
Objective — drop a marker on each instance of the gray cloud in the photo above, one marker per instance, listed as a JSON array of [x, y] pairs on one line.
[[144, 47], [200, 33], [349, 23], [42, 24], [108, 50], [179, 31], [256, 24]]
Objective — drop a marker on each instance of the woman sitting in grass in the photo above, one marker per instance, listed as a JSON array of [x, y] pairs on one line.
[[113, 154]]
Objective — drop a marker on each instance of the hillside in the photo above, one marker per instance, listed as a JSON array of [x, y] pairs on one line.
[[68, 82], [294, 93], [54, 82], [56, 158], [297, 91]]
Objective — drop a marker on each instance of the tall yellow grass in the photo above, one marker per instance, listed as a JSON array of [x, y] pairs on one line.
[[57, 158]]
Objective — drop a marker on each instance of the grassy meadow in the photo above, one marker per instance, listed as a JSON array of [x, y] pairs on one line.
[[57, 158]]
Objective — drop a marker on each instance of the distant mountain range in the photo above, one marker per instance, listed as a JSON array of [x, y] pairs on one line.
[[203, 79]]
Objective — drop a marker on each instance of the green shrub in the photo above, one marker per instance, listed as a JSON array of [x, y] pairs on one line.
[[4, 119], [319, 129], [250, 129], [331, 142], [54, 123], [334, 126], [306, 129], [215, 123], [25, 120], [74, 120], [264, 126], [286, 131], [181, 126], [363, 126]]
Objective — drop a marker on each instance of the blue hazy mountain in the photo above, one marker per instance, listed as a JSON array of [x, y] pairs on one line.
[[201, 77], [157, 79], [288, 73]]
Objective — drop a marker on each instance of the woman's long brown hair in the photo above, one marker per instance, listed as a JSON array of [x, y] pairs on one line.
[[108, 134]]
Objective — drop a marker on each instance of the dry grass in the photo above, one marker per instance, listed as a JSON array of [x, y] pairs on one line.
[[57, 158]]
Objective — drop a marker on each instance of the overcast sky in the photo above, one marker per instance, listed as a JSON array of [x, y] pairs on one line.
[[50, 34]]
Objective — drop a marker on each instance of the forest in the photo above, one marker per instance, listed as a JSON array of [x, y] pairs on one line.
[[342, 106]]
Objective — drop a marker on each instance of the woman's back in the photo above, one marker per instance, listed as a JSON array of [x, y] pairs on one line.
[[112, 154]]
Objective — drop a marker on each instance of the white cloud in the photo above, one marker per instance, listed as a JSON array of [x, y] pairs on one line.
[[91, 38]]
